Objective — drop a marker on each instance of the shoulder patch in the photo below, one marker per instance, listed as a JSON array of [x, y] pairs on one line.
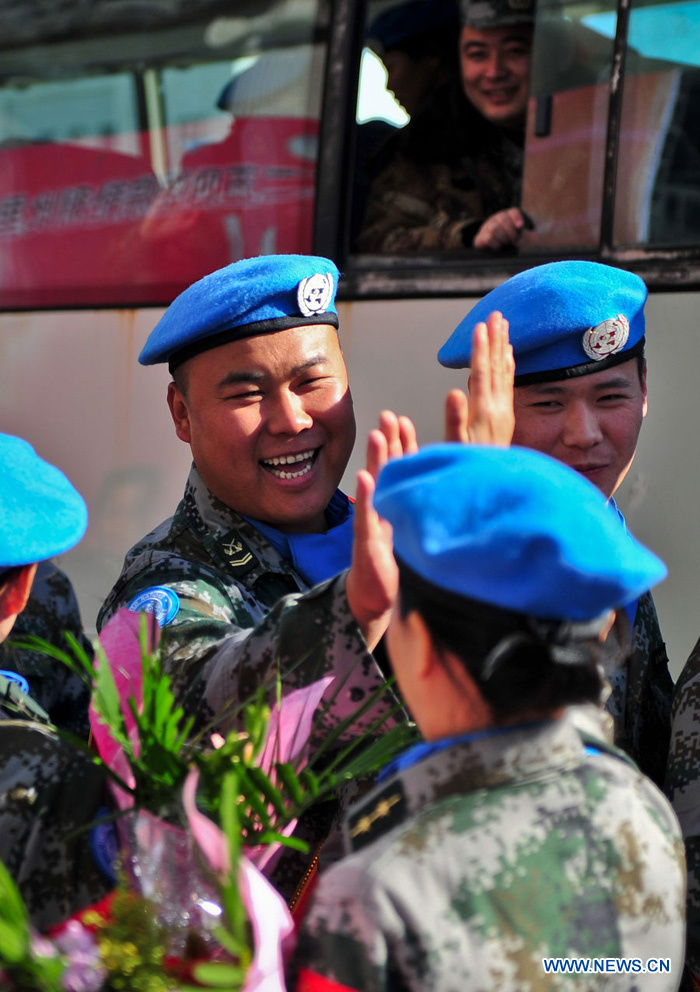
[[162, 602], [385, 810], [104, 846], [16, 678]]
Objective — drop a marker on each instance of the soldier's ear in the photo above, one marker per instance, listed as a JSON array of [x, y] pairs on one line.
[[179, 412], [14, 592]]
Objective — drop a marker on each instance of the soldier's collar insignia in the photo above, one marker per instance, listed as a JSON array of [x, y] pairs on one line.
[[162, 602], [237, 554], [315, 294], [606, 338], [385, 810]]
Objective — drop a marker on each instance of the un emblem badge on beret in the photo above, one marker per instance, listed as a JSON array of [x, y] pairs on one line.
[[606, 338], [315, 293]]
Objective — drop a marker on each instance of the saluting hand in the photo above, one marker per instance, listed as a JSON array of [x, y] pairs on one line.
[[395, 437], [373, 581], [487, 417]]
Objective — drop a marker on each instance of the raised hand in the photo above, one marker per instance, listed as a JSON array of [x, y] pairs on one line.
[[487, 416], [395, 437], [372, 582]]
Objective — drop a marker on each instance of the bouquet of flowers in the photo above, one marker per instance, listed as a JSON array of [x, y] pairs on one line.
[[198, 816]]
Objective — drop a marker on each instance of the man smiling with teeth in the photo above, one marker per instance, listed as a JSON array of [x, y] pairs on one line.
[[260, 571]]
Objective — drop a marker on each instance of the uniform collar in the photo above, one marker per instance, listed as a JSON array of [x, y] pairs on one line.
[[509, 755], [317, 556], [233, 543], [247, 548]]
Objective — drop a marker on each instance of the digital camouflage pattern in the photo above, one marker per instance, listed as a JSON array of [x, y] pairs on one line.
[[439, 178], [48, 789], [52, 609], [683, 789], [244, 614], [642, 691], [482, 859]]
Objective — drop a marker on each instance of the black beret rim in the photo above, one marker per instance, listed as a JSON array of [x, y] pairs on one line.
[[240, 331], [586, 368]]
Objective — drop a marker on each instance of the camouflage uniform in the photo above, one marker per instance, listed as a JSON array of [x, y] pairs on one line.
[[486, 857], [441, 177], [642, 690], [51, 610], [683, 789], [243, 612], [48, 789]]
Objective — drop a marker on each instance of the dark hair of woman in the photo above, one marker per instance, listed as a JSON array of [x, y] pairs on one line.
[[7, 574], [519, 664]]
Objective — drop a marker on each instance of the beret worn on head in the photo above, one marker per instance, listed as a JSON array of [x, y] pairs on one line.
[[41, 514], [512, 528], [254, 296], [566, 319], [497, 13]]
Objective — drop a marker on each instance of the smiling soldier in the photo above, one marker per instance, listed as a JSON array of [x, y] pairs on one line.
[[577, 330], [251, 574], [452, 178]]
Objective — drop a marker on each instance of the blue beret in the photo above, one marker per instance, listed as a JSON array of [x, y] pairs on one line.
[[254, 296], [512, 528], [566, 319], [41, 514]]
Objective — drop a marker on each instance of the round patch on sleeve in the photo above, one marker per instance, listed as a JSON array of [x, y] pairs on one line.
[[104, 845], [162, 602]]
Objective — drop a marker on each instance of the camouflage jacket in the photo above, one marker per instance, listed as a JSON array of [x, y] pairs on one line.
[[52, 609], [440, 177], [475, 863], [642, 690], [241, 614], [48, 790], [683, 789]]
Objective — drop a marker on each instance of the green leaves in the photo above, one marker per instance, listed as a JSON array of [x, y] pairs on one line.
[[25, 968], [139, 716]]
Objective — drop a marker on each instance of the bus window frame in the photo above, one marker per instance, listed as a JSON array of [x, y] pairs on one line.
[[443, 274]]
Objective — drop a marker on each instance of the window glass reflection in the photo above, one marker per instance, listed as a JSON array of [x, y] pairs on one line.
[[137, 154], [658, 169]]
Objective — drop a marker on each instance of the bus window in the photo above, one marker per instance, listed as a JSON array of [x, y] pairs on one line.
[[567, 128], [136, 157], [657, 198], [431, 184]]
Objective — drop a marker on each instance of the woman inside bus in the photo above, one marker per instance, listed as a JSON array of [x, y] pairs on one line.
[[452, 177], [508, 836]]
